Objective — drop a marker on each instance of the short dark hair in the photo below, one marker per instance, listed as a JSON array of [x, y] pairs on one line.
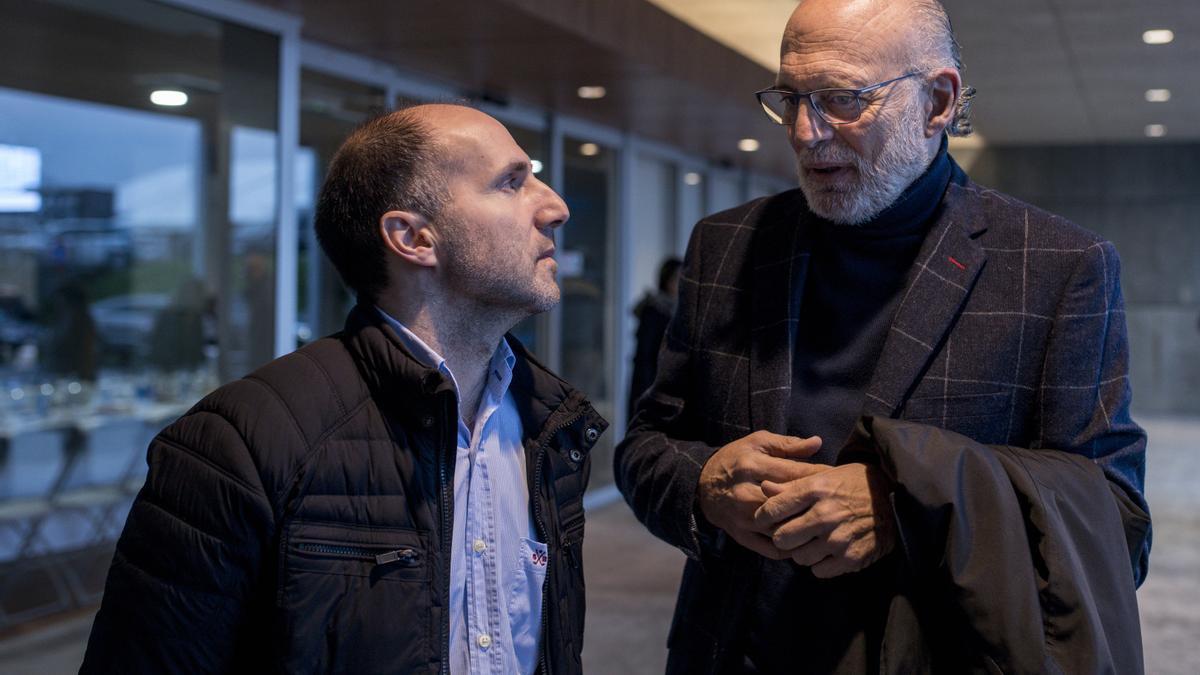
[[387, 164]]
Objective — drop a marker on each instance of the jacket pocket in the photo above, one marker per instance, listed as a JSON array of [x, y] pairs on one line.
[[356, 598], [374, 553]]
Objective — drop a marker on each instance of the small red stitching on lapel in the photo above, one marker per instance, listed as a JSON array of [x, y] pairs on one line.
[[956, 263]]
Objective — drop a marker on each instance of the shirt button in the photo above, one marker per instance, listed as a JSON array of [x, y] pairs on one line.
[[484, 641], [479, 545]]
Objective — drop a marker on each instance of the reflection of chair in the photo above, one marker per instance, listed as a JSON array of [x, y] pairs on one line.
[[90, 504], [93, 484], [31, 467], [33, 464]]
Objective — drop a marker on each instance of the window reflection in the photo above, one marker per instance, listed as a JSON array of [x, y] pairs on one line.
[[136, 263], [330, 108], [585, 272]]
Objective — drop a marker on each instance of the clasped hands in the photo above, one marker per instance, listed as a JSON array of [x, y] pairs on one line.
[[762, 491]]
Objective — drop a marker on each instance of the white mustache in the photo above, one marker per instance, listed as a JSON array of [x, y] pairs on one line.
[[832, 154]]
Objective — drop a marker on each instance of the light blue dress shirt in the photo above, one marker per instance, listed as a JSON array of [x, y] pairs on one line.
[[497, 564]]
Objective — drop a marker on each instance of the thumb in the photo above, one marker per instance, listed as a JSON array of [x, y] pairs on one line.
[[791, 447]]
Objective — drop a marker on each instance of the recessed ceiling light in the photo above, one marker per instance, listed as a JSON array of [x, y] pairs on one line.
[[1158, 36], [589, 149], [593, 91], [1158, 95], [691, 178], [536, 165], [168, 97], [1156, 130], [748, 145]]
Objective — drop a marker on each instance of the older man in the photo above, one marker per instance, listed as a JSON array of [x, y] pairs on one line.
[[1002, 526], [404, 496]]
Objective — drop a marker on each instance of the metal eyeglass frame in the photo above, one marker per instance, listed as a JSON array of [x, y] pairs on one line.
[[797, 95]]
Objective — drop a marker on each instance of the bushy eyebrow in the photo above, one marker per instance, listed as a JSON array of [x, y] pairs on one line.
[[516, 167]]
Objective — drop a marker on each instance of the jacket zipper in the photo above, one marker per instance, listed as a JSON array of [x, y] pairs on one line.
[[405, 556], [447, 522], [543, 655]]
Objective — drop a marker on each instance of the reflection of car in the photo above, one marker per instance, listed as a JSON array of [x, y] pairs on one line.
[[126, 321]]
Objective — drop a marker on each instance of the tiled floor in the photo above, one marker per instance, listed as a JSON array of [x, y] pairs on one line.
[[632, 580], [1170, 598]]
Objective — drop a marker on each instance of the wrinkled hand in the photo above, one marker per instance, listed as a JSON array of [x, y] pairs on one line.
[[730, 489], [834, 522]]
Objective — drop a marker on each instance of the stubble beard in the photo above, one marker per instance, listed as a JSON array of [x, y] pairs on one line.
[[901, 160], [492, 281]]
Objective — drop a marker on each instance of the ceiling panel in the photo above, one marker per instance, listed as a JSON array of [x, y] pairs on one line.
[[1047, 71], [666, 81], [682, 71]]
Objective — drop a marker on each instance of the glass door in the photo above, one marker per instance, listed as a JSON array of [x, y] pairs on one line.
[[586, 272], [330, 108]]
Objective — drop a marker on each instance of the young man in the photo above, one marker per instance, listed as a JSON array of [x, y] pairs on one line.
[[404, 496]]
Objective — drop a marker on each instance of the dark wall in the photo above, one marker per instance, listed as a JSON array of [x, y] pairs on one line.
[[1145, 198]]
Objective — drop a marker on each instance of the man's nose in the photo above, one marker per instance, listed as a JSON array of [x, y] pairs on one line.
[[553, 211], [810, 128]]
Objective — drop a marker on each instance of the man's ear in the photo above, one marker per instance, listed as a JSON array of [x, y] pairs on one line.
[[942, 100], [407, 235]]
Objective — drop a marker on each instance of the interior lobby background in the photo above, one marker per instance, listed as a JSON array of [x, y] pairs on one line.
[[152, 248]]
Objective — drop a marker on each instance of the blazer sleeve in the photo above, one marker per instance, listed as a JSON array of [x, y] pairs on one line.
[[658, 463], [187, 560], [1084, 395]]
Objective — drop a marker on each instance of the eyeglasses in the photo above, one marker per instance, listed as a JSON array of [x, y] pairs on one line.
[[835, 106]]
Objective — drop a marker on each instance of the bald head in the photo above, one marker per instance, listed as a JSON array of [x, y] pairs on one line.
[[911, 32], [911, 35], [458, 133]]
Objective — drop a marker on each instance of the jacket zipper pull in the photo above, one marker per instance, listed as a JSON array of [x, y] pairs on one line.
[[405, 554]]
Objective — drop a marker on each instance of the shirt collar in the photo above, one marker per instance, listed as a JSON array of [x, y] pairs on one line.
[[423, 352], [499, 370]]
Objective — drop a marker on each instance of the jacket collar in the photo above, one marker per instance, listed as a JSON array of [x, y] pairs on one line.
[[394, 374], [386, 364], [937, 288]]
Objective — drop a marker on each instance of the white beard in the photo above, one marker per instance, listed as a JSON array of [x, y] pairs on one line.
[[901, 161]]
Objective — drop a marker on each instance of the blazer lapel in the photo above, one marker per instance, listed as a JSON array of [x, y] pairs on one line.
[[779, 260], [938, 285]]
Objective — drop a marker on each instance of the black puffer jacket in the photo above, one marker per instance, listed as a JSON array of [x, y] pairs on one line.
[[299, 519]]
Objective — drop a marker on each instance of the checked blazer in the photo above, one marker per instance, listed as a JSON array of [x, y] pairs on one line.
[[1010, 330]]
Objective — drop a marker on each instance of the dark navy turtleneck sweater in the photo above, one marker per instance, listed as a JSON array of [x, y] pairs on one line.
[[853, 284], [855, 275]]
